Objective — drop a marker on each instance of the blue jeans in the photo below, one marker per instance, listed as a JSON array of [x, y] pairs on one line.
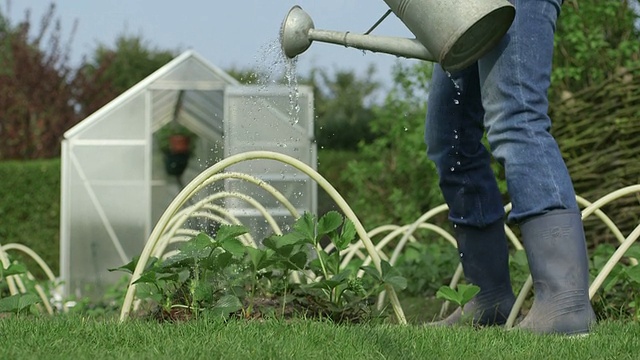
[[505, 94]]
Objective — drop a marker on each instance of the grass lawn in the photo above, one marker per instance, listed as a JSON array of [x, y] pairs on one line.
[[71, 337]]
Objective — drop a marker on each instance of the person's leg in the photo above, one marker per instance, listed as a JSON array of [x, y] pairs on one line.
[[515, 77], [453, 134]]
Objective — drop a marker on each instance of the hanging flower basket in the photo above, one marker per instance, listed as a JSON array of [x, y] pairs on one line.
[[175, 164], [179, 144]]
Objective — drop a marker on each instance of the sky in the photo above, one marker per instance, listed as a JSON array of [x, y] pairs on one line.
[[238, 34]]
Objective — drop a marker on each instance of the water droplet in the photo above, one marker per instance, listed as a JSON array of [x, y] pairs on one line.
[[461, 255], [456, 101], [457, 162], [453, 169]]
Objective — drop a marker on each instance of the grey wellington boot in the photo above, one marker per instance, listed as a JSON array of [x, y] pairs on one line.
[[557, 255], [485, 260]]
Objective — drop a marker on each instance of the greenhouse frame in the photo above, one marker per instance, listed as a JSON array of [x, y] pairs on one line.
[[117, 179]]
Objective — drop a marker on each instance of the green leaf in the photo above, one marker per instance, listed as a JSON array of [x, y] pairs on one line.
[[388, 271], [322, 284], [234, 246], [129, 267], [392, 276], [177, 261], [271, 242], [299, 259], [305, 225], [520, 259], [227, 232], [225, 306], [14, 269], [329, 222], [331, 261], [467, 292], [372, 271], [342, 276], [18, 302], [219, 261], [285, 251], [340, 241], [198, 247], [169, 277], [148, 277], [447, 293], [148, 291], [633, 252], [348, 232], [257, 257], [277, 241], [314, 265], [634, 274], [398, 282], [616, 273], [203, 292]]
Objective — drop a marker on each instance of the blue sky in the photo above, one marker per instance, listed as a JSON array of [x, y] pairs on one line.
[[229, 33]]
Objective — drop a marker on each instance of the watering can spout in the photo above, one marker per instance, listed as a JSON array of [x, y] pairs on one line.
[[452, 33]]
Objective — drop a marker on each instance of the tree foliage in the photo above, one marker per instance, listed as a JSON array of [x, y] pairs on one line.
[[392, 180], [341, 107], [111, 71], [35, 106], [595, 39], [42, 96]]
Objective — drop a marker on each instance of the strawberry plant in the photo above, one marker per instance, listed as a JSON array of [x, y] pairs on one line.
[[219, 276]]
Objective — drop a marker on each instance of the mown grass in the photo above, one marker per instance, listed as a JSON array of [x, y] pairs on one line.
[[68, 337]]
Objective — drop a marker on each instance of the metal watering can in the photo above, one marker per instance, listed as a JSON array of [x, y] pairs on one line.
[[454, 33]]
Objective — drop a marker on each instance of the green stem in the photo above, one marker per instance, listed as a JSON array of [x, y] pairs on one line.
[[253, 291], [324, 269], [284, 296], [193, 290]]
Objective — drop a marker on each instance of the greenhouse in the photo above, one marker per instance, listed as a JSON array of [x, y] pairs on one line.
[[124, 164]]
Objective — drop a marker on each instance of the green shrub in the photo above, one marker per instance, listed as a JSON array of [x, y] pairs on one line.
[[392, 181], [30, 208]]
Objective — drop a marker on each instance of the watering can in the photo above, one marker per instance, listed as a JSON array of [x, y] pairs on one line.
[[454, 33]]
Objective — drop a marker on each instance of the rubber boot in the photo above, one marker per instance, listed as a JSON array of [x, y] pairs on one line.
[[557, 255], [485, 261]]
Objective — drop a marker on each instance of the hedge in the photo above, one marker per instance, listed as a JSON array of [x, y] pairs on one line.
[[30, 207]]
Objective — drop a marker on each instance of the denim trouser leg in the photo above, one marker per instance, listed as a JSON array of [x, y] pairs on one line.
[[453, 133], [511, 84]]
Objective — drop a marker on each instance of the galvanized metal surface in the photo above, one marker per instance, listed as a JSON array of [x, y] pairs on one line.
[[454, 34]]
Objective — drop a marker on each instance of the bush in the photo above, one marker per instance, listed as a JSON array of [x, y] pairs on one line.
[[392, 181], [30, 207]]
